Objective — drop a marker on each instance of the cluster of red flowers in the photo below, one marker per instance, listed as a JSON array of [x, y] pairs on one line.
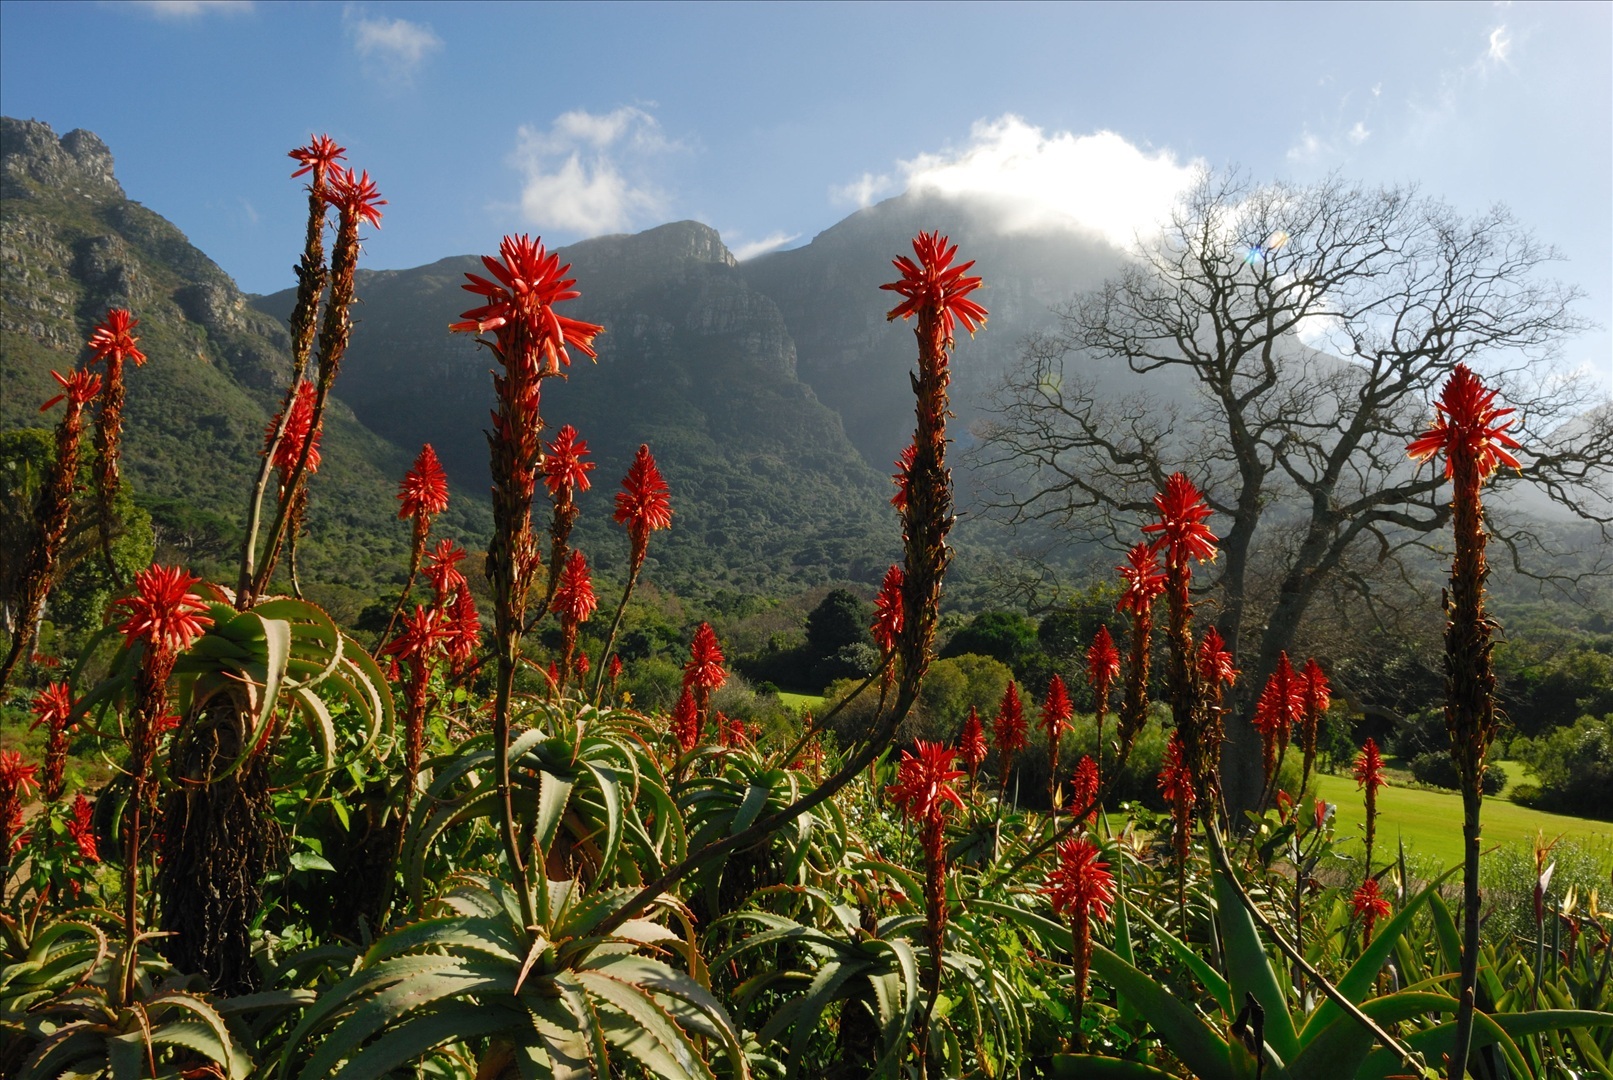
[[423, 492], [933, 284], [1084, 788], [1009, 731], [299, 431], [888, 619], [1281, 705], [642, 505], [53, 707], [972, 742], [564, 470], [1369, 905], [16, 782]]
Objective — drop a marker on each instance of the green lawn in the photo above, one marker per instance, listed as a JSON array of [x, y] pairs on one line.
[[799, 702], [1431, 821]]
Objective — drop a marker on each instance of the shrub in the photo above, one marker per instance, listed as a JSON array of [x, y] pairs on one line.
[[1574, 766], [1438, 770], [1508, 878]]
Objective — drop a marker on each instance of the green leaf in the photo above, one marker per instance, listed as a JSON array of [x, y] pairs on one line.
[[1249, 969], [1083, 1066], [1445, 932], [307, 860], [1208, 977], [1358, 981], [1199, 1048], [410, 1040], [647, 1033], [1338, 1051]]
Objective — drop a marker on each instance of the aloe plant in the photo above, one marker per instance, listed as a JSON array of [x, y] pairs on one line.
[[555, 999]]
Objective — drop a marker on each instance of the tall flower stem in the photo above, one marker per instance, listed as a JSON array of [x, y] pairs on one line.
[[52, 514], [312, 275], [936, 293], [1472, 433], [356, 201]]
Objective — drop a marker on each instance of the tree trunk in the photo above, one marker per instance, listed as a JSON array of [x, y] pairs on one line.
[[219, 838]]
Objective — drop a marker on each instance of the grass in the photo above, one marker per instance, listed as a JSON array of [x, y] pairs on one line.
[[1430, 822], [800, 702]]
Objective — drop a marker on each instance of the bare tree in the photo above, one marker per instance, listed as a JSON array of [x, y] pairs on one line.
[[1289, 340]]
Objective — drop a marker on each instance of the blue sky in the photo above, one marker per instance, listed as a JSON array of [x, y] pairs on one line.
[[773, 122]]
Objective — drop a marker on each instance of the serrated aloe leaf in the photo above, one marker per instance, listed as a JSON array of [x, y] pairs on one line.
[[1249, 969]]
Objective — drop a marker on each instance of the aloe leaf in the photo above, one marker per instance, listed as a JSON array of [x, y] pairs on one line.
[[389, 1006], [490, 936], [1450, 941], [1338, 1051], [1208, 977], [1249, 969], [1083, 1066], [610, 793], [1188, 1037], [410, 1040], [197, 1036], [647, 1033], [1488, 1030], [1357, 982]]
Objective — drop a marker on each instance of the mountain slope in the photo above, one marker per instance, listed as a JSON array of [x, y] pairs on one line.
[[71, 246], [693, 361]]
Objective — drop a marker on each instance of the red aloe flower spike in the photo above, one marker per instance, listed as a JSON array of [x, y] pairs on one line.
[[1084, 788], [1081, 889], [1055, 721], [1056, 710], [1318, 696], [574, 600], [904, 469], [424, 489], [1215, 663], [924, 792], [467, 629], [442, 568], [417, 643], [564, 468], [614, 669], [81, 827], [527, 283], [317, 157], [1369, 905], [163, 612], [1467, 424], [1082, 882], [1182, 512], [79, 389], [1281, 704], [932, 282], [972, 742], [642, 504], [1369, 777], [16, 782], [923, 788], [299, 426], [888, 611], [581, 666], [704, 673], [1103, 666], [1008, 732], [1144, 579], [53, 707], [113, 341], [355, 195], [686, 722]]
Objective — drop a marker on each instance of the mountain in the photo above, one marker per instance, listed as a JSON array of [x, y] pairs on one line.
[[857, 362], [72, 245]]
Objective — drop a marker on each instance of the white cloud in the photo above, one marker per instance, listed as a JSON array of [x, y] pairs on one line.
[[1098, 183], [1500, 45], [866, 190], [586, 174], [770, 242], [1360, 133], [192, 9], [389, 48]]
